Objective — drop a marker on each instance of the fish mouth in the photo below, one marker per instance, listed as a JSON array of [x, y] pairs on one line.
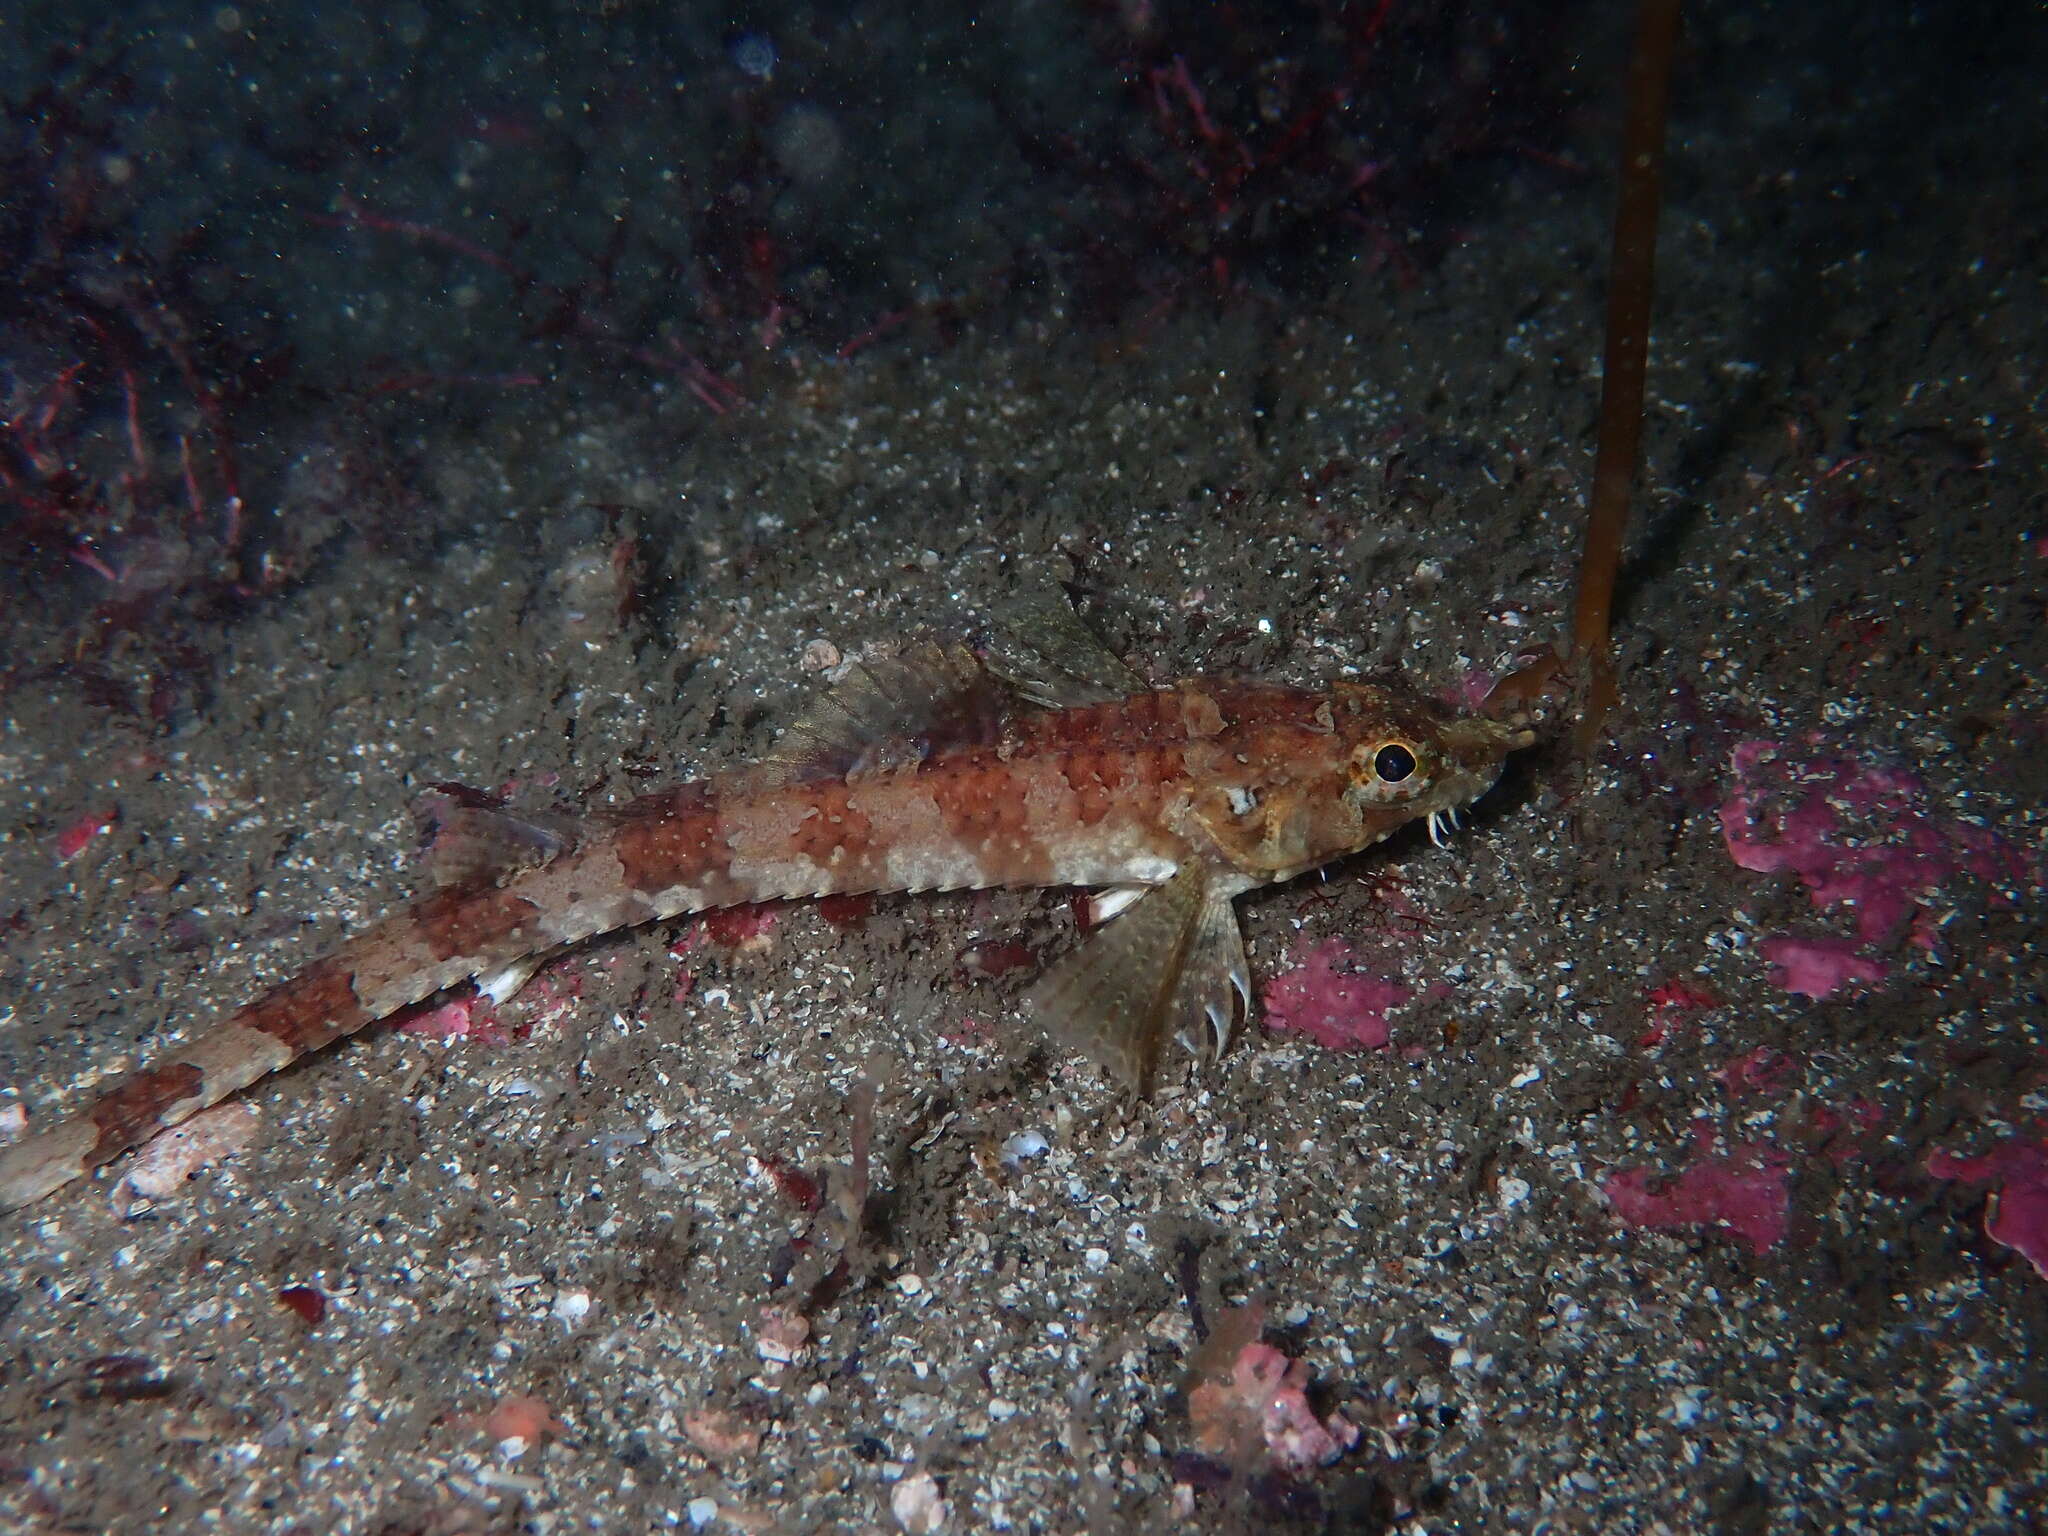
[[1477, 748]]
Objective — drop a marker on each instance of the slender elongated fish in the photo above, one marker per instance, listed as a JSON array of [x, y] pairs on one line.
[[932, 770]]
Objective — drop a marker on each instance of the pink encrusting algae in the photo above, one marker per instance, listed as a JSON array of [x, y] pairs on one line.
[[1818, 968], [1763, 1071], [2016, 1216], [77, 834], [1671, 1005], [1273, 1391], [1338, 1008], [1248, 1403], [1858, 837], [1742, 1190], [461, 1018], [1844, 1138]]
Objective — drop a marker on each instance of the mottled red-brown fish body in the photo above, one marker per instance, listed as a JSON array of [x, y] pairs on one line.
[[1249, 780]]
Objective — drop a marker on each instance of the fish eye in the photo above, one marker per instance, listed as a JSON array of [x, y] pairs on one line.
[[1393, 761]]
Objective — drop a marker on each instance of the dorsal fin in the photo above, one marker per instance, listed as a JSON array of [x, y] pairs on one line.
[[895, 707], [1053, 660], [891, 709], [471, 837]]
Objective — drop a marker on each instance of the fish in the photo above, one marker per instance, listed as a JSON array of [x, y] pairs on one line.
[[1042, 760]]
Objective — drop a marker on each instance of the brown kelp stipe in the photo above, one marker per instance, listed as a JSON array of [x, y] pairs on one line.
[[1632, 282]]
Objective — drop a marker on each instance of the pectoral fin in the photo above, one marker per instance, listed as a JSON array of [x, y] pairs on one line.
[[1173, 963]]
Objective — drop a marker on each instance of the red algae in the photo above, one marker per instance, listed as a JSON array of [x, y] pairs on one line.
[[1339, 1009], [2016, 1216], [1742, 1191], [1861, 838], [1763, 1071], [77, 835], [1819, 968]]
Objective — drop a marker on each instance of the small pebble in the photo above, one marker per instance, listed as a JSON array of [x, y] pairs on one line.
[[1024, 1145], [917, 1506]]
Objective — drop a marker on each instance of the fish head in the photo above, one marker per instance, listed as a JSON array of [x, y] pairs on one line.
[[1277, 798], [1406, 758]]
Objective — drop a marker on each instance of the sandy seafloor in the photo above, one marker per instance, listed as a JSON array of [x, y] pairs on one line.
[[1843, 555]]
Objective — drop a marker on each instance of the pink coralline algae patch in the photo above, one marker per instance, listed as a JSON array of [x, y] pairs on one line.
[[1253, 1405], [1762, 1071], [77, 835], [2017, 1215], [1672, 1004], [1341, 1009], [744, 930], [464, 1018], [1742, 1191], [1859, 838], [1843, 1140], [1473, 689], [527, 1420], [1818, 968]]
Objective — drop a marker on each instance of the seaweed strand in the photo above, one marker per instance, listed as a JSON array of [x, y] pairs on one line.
[[1632, 281]]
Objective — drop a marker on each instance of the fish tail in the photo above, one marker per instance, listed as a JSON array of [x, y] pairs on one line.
[[434, 944]]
